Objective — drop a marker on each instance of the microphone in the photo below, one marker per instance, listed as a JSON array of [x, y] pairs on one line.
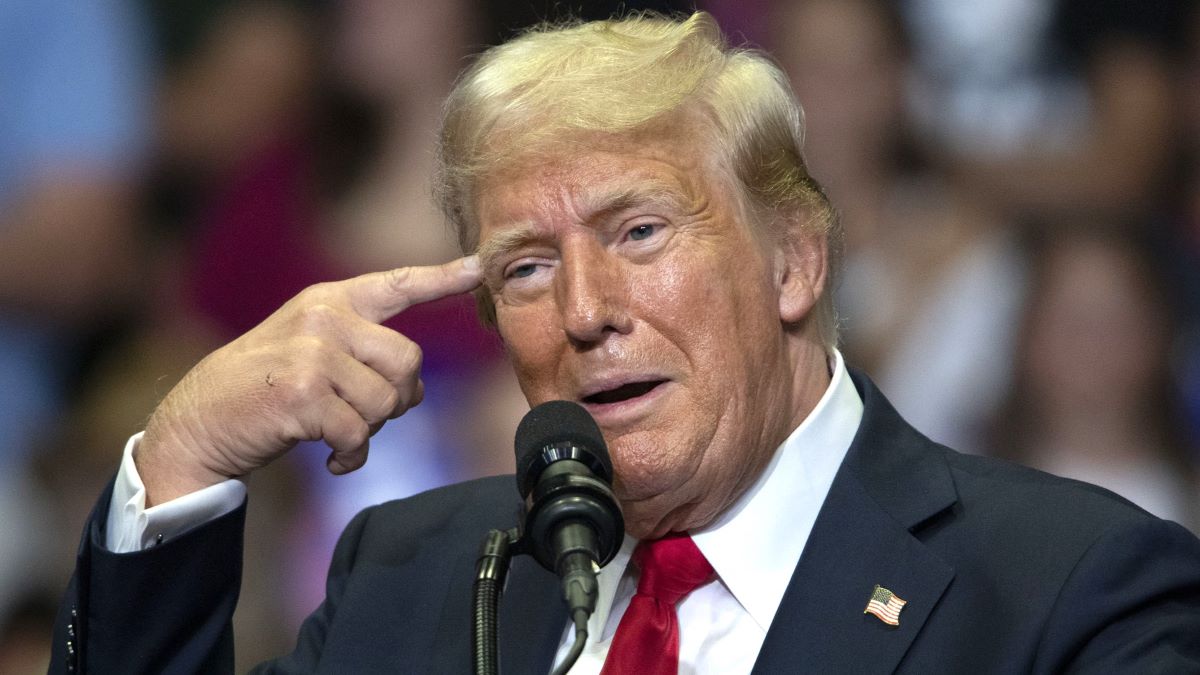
[[573, 524]]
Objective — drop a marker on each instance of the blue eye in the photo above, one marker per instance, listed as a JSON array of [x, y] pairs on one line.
[[642, 232], [523, 271]]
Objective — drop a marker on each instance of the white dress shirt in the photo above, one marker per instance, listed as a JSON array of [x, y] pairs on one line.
[[133, 527], [754, 547]]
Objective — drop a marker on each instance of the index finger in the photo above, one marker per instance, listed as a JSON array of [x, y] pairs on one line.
[[378, 296]]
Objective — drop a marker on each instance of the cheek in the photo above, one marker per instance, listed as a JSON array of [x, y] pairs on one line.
[[530, 341], [718, 313], [683, 292]]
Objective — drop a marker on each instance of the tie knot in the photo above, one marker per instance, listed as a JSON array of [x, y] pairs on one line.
[[671, 568]]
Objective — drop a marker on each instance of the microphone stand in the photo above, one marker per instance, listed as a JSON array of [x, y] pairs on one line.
[[572, 523], [491, 568]]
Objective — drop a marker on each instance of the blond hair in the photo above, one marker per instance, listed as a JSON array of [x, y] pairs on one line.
[[621, 75]]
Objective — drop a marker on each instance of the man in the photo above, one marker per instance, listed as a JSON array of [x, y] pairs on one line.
[[650, 245]]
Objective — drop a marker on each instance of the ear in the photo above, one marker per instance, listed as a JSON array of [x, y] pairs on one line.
[[801, 270]]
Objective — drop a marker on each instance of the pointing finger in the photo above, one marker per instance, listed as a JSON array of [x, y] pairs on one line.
[[378, 296]]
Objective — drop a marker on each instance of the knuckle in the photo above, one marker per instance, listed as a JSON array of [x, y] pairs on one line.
[[389, 402], [356, 433], [305, 347], [321, 291], [410, 356], [398, 280], [319, 317], [314, 355], [306, 385], [313, 295]]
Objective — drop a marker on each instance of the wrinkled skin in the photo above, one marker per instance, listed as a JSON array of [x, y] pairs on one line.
[[626, 277], [320, 367]]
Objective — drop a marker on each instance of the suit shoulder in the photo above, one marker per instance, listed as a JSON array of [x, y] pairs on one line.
[[445, 516], [478, 493], [1023, 488], [1033, 515], [893, 458]]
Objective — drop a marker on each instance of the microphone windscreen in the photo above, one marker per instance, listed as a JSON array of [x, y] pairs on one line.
[[558, 422]]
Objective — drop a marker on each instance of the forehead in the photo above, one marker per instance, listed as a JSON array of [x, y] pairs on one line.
[[581, 173]]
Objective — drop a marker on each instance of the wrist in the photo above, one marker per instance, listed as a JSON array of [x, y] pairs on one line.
[[170, 464]]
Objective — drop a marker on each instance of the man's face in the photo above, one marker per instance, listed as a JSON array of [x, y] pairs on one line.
[[625, 278]]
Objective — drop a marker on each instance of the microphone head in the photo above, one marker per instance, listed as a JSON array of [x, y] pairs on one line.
[[559, 430]]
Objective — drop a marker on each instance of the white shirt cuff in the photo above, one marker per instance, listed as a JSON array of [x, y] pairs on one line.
[[133, 527]]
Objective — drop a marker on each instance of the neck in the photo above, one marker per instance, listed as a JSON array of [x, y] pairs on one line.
[[812, 368]]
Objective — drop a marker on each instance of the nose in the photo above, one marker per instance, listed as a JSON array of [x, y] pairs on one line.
[[591, 292]]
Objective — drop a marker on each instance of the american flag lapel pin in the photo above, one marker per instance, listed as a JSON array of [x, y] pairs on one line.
[[885, 606]]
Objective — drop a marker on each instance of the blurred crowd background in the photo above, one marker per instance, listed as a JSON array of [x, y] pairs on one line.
[[1019, 182]]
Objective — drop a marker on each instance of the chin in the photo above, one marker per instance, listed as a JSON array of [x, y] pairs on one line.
[[652, 519], [645, 523], [638, 481], [651, 482], [652, 460]]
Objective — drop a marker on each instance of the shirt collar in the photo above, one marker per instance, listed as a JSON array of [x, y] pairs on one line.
[[756, 544]]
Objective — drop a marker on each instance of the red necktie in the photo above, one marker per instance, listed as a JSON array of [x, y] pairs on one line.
[[647, 639]]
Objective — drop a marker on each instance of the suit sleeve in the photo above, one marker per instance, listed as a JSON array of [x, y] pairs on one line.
[[1131, 605], [166, 609]]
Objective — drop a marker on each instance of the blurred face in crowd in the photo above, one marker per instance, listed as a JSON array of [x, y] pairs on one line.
[[250, 77], [392, 49], [847, 67], [626, 277], [1095, 332]]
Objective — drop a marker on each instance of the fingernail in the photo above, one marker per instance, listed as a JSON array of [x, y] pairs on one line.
[[471, 263], [335, 467]]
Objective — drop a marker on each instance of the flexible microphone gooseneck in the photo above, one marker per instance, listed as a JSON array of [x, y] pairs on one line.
[[573, 523], [572, 526]]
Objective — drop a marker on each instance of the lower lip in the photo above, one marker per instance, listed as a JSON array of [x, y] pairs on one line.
[[627, 411]]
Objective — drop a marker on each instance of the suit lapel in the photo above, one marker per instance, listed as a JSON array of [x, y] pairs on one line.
[[820, 626], [889, 485]]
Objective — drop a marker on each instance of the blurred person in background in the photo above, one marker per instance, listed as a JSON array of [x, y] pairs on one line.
[[929, 268], [1094, 397], [1051, 108], [73, 127]]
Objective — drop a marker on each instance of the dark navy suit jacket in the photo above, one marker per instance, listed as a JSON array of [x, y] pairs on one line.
[[1004, 570]]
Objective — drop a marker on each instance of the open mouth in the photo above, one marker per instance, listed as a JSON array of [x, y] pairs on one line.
[[623, 392]]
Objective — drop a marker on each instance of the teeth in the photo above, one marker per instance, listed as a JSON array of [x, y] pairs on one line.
[[623, 392]]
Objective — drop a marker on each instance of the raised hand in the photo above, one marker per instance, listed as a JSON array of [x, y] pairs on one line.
[[320, 367]]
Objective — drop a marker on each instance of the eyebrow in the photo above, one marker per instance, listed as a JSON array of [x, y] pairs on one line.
[[598, 207], [506, 241]]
